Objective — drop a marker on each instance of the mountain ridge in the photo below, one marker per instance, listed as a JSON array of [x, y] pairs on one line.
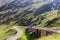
[[21, 9]]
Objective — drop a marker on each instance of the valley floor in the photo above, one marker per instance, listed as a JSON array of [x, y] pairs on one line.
[[26, 35]]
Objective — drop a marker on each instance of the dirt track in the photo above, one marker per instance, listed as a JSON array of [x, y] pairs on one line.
[[18, 35]]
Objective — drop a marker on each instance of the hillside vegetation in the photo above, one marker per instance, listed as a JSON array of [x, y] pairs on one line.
[[28, 13], [51, 18]]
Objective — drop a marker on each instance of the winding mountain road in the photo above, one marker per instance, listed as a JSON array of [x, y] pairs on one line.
[[18, 35]]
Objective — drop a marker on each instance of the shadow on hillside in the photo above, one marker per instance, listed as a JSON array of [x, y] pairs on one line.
[[45, 8], [51, 22]]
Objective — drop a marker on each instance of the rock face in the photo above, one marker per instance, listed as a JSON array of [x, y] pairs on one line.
[[4, 2], [16, 10], [25, 4]]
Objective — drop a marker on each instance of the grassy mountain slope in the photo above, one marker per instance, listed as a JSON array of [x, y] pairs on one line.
[[16, 13], [24, 13]]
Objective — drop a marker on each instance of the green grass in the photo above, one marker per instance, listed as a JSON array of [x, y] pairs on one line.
[[26, 35], [51, 37], [2, 32]]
